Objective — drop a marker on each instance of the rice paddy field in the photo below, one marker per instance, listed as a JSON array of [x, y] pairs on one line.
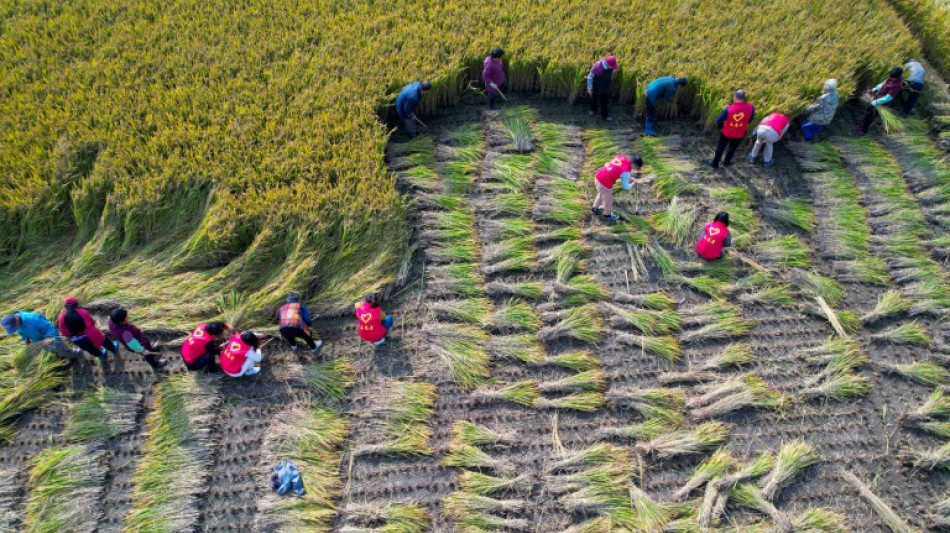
[[547, 371]]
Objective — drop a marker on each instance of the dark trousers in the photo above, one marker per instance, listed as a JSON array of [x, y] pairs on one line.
[[292, 334], [204, 361], [88, 346], [868, 119], [724, 141], [651, 111], [410, 127], [602, 101], [915, 90]]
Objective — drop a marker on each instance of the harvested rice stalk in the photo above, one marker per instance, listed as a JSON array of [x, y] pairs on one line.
[[665, 347], [792, 458], [520, 263], [936, 406], [777, 295], [911, 333], [479, 522], [516, 316], [651, 515], [785, 252], [65, 485], [586, 402], [470, 433], [664, 422], [839, 386], [467, 456], [704, 438], [847, 356], [462, 349], [924, 373], [710, 313], [580, 289], [820, 520], [716, 466], [725, 328], [468, 503], [607, 474], [748, 495], [752, 392], [531, 290], [576, 361], [890, 303], [524, 348], [796, 212], [475, 311], [522, 393], [581, 323], [577, 250], [895, 522], [733, 355], [395, 518], [648, 322], [832, 317], [478, 483], [930, 458], [330, 379], [600, 453], [709, 286], [649, 402], [762, 465], [940, 429], [660, 301], [589, 381], [676, 222], [402, 413]]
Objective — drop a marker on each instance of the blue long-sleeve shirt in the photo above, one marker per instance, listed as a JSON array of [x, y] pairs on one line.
[[408, 99], [305, 315], [661, 90], [721, 119], [34, 327]]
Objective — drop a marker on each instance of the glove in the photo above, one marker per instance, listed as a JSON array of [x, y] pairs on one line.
[[493, 85]]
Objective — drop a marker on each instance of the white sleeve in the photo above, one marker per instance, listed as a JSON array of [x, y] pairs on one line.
[[255, 355]]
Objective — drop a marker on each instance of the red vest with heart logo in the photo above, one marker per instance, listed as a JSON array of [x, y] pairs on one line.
[[737, 120], [612, 170], [234, 356], [709, 246], [370, 326]]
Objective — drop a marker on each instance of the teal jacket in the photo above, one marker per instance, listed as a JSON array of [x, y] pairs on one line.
[[34, 327]]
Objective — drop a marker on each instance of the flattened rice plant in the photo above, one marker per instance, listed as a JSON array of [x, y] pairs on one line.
[[521, 392], [65, 485], [676, 222], [785, 252], [911, 333], [463, 350], [103, 414]]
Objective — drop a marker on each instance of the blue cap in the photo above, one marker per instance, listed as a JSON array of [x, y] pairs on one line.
[[9, 324]]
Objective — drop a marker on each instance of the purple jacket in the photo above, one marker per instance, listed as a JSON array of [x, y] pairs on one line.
[[492, 72], [126, 333]]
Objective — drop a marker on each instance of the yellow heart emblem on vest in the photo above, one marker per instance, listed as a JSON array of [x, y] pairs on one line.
[[366, 317], [713, 231], [738, 116]]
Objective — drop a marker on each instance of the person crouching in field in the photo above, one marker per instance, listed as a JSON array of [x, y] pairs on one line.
[[77, 325], [242, 354], [295, 323], [885, 91], [915, 84], [34, 327], [203, 345], [822, 112], [493, 75], [372, 321], [660, 91], [770, 130], [406, 103], [618, 168], [598, 85], [133, 339], [715, 237], [734, 121]]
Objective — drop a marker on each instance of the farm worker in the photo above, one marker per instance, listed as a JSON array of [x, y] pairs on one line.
[[715, 237], [203, 344], [295, 323], [734, 121], [77, 325], [406, 104], [241, 354], [598, 85], [885, 91], [618, 168], [133, 339], [34, 327], [915, 82], [770, 130], [493, 75], [660, 91], [821, 113], [373, 322]]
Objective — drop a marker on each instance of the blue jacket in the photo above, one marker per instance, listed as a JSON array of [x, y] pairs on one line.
[[661, 89], [408, 99], [35, 327]]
